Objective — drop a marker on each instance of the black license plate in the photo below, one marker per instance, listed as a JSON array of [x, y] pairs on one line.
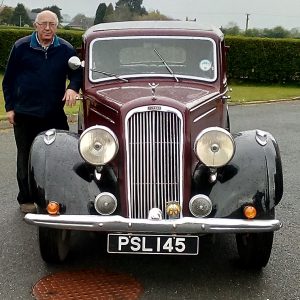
[[152, 244]]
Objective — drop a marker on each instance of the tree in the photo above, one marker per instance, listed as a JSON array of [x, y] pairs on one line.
[[231, 29], [153, 16], [295, 32], [56, 10], [254, 32], [36, 10], [52, 8], [135, 6], [20, 16], [276, 32], [109, 13], [100, 13], [122, 14], [82, 21], [6, 15]]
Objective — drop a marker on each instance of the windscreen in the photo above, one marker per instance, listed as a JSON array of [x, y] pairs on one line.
[[182, 57]]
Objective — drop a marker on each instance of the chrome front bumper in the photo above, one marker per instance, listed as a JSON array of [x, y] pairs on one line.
[[180, 226]]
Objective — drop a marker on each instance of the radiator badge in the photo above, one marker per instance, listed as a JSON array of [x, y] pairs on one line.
[[154, 107]]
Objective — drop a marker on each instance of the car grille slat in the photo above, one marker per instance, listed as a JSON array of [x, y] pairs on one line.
[[154, 159]]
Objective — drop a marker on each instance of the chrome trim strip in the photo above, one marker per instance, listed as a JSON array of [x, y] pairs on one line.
[[204, 115], [203, 101], [107, 98], [183, 226], [195, 104], [102, 116]]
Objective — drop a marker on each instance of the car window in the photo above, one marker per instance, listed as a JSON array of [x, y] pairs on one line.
[[186, 57]]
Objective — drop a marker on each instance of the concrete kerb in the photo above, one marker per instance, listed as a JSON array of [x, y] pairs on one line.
[[4, 124], [263, 101]]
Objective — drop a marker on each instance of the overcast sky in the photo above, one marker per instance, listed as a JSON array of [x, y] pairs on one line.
[[263, 13]]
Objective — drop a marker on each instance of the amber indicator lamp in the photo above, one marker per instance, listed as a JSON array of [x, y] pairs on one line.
[[250, 212], [53, 208]]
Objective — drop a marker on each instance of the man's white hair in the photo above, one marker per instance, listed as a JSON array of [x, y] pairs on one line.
[[48, 12]]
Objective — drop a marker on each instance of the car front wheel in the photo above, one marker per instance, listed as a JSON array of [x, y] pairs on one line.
[[54, 244], [254, 249]]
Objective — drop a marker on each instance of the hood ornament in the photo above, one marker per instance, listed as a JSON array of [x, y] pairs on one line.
[[153, 89]]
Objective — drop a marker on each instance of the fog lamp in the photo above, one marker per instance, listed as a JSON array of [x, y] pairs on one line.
[[53, 208], [98, 145], [105, 204], [173, 210], [214, 146], [200, 206], [250, 212]]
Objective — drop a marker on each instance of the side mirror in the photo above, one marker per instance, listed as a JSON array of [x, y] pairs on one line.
[[75, 63]]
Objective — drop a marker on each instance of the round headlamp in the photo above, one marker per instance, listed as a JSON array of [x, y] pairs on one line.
[[214, 146], [98, 145]]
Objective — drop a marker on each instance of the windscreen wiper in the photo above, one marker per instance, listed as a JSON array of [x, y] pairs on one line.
[[109, 74], [166, 65]]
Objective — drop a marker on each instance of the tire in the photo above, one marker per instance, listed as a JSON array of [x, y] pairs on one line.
[[54, 244], [254, 249]]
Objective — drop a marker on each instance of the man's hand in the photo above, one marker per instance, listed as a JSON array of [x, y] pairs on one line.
[[70, 97], [11, 117]]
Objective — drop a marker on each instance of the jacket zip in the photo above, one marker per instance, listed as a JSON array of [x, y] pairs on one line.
[[40, 49]]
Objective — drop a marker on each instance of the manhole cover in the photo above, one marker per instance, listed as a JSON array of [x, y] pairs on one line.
[[87, 284]]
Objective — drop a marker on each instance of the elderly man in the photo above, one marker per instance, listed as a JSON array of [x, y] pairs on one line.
[[34, 87]]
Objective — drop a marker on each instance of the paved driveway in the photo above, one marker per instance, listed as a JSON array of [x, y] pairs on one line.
[[212, 275]]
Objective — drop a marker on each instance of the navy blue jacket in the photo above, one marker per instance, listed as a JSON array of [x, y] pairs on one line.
[[34, 82]]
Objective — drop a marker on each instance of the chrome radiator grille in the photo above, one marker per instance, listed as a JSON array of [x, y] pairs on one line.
[[154, 159]]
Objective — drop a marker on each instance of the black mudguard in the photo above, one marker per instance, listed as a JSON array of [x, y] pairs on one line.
[[253, 176], [58, 173]]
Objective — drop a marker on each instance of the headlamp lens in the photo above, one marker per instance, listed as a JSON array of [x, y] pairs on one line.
[[98, 145], [214, 146]]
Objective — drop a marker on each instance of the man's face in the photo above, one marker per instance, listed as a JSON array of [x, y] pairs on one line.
[[46, 26]]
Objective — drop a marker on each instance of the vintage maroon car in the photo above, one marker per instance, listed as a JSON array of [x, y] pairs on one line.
[[154, 164]]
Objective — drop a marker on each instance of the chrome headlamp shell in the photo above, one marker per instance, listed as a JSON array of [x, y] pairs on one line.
[[98, 145], [214, 146]]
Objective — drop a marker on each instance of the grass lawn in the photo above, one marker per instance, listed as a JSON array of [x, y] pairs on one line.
[[241, 93]]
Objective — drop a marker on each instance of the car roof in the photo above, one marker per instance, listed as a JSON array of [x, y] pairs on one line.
[[180, 25]]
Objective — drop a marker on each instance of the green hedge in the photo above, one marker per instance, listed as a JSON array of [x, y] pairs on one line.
[[249, 59], [8, 36], [263, 59]]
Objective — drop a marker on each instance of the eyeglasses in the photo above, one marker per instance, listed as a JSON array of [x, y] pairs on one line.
[[45, 24]]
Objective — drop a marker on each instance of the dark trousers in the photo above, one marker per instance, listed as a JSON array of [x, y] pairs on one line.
[[25, 130]]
